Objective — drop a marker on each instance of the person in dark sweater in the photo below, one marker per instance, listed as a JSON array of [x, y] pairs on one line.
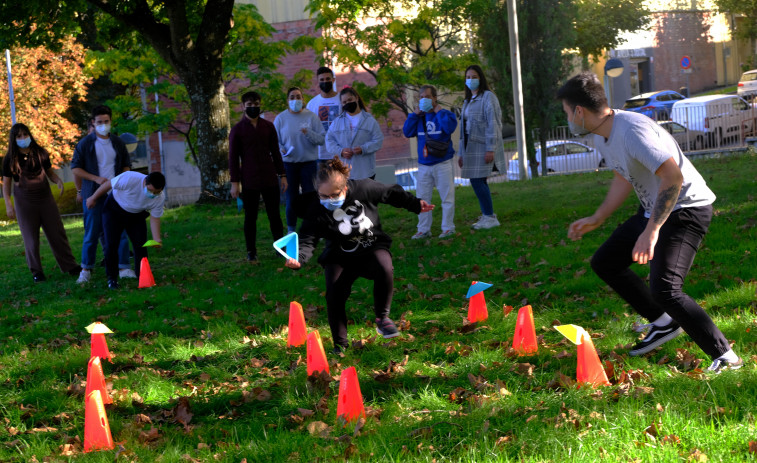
[[344, 213], [255, 163]]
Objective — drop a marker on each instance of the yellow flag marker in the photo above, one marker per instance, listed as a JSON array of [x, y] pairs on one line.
[[572, 332], [97, 328]]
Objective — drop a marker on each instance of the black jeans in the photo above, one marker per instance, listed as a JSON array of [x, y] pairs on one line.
[[251, 201], [376, 266], [678, 242], [115, 221]]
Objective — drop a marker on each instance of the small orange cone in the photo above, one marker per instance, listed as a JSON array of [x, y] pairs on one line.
[[316, 355], [524, 341], [96, 380], [589, 368], [350, 406], [298, 333], [96, 428], [145, 274], [477, 308], [99, 347]]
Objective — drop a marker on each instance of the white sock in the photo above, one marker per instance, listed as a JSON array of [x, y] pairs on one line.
[[664, 319], [729, 356]]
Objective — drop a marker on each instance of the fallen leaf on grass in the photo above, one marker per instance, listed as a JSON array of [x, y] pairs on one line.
[[696, 455], [525, 369], [182, 412], [507, 309], [753, 447], [319, 429], [146, 437]]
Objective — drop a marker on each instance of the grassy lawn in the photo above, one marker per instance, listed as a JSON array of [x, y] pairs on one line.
[[202, 372]]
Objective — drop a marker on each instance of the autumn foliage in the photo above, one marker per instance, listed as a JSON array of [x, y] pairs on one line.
[[44, 85]]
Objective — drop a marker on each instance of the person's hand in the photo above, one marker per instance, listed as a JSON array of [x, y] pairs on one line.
[[583, 226], [60, 187], [293, 264], [100, 180], [426, 207], [10, 211], [284, 184], [347, 153], [460, 162], [304, 130], [643, 250], [357, 150], [418, 111], [78, 197], [489, 157], [234, 190], [91, 202]]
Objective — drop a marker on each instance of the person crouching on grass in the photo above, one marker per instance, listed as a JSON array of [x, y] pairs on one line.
[[134, 194], [345, 213]]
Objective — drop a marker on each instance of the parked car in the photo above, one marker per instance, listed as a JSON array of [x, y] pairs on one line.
[[656, 105], [562, 156], [717, 117], [408, 178], [747, 87], [686, 139]]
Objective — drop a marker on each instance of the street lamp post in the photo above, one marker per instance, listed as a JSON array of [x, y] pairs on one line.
[[613, 68]]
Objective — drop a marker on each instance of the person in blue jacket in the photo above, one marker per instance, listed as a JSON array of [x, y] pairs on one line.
[[355, 136], [435, 169]]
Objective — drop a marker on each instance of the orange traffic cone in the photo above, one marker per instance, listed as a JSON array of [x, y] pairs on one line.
[[316, 355], [96, 380], [589, 368], [350, 405], [477, 308], [145, 274], [524, 341], [99, 347], [298, 333], [96, 428]]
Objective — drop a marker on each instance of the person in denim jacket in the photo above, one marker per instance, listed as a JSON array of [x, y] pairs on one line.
[[355, 136], [481, 146]]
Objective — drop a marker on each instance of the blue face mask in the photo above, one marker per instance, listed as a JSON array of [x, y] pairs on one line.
[[150, 194], [472, 83], [295, 105], [24, 142], [333, 204], [426, 105]]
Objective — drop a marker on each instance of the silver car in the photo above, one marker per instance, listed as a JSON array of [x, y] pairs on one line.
[[747, 87], [563, 156]]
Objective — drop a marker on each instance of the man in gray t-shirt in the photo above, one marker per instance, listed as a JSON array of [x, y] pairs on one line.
[[675, 213]]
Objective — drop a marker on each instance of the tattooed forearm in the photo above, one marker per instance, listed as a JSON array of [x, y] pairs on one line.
[[666, 201]]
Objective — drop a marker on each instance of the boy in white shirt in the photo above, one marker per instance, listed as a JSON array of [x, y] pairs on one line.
[[325, 105], [134, 194]]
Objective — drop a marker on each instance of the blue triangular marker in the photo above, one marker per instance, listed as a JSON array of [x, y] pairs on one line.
[[287, 242], [477, 288], [240, 204]]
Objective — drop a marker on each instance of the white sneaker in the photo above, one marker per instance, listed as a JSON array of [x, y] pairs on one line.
[[488, 221], [421, 235], [126, 273], [478, 221], [84, 276]]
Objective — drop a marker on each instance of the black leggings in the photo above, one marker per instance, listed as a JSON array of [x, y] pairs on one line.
[[677, 245], [376, 266]]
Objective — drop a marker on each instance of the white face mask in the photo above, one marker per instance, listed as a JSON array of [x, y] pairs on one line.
[[102, 129]]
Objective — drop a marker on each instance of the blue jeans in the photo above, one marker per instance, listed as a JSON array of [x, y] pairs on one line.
[[93, 232], [299, 174], [481, 188]]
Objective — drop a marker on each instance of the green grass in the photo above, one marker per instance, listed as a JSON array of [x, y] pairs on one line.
[[214, 330]]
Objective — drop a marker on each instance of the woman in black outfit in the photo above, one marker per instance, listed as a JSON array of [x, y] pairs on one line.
[[344, 212]]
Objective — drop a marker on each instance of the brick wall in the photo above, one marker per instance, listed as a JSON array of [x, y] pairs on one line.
[[679, 34]]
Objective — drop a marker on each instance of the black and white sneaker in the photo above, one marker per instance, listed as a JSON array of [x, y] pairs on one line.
[[657, 336], [386, 328]]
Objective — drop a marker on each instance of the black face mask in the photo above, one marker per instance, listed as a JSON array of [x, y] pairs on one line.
[[326, 87], [252, 111], [350, 107]]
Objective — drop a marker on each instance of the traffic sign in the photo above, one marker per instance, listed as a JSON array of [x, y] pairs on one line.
[[685, 62]]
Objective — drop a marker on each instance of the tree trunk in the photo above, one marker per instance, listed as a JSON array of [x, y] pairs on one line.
[[211, 112]]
